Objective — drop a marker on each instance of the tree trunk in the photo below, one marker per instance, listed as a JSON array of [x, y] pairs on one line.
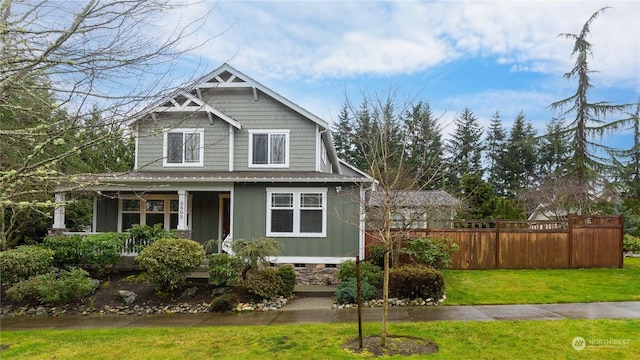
[[385, 296]]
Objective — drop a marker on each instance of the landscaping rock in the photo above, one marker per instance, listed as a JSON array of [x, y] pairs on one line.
[[127, 297]]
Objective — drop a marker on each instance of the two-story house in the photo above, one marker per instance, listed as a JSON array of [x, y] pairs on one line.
[[229, 158]]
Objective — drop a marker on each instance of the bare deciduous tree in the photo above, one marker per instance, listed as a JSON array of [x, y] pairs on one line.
[[64, 63]]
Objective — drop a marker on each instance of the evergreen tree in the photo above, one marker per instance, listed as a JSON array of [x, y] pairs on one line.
[[585, 161], [342, 133], [520, 156], [553, 150], [627, 162], [465, 149], [478, 196], [496, 153], [424, 145]]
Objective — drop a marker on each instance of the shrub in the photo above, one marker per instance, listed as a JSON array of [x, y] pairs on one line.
[[65, 248], [265, 283], [23, 262], [347, 291], [631, 243], [102, 249], [368, 271], [430, 251], [288, 276], [376, 252], [145, 235], [254, 253], [416, 282], [55, 287], [223, 269], [224, 303], [168, 262]]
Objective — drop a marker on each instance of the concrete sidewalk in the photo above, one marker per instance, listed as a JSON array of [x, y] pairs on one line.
[[603, 310]]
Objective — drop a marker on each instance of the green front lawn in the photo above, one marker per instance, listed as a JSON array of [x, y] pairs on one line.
[[476, 287], [606, 339]]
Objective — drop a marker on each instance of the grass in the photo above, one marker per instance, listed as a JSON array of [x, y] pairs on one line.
[[606, 339], [477, 287]]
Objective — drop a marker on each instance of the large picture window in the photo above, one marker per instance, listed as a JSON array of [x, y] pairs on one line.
[[268, 148], [183, 147], [149, 211], [296, 212]]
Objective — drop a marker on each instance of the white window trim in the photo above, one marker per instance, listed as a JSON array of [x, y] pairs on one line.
[[143, 209], [284, 132], [296, 210], [165, 145]]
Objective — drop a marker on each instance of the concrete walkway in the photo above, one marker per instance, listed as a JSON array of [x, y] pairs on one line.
[[604, 310]]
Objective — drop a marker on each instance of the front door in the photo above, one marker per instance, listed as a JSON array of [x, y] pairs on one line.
[[225, 216]]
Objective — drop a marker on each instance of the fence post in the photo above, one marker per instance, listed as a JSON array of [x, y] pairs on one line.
[[570, 241], [621, 223], [497, 242]]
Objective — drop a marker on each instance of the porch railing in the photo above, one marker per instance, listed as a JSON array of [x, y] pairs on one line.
[[130, 247]]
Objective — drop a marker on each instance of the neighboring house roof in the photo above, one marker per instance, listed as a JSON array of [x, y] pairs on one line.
[[414, 198]]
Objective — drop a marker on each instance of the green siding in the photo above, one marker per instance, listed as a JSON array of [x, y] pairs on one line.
[[106, 215], [266, 113], [205, 217], [151, 138], [342, 233]]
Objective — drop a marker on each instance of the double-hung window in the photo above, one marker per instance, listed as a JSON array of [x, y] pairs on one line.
[[268, 148], [183, 147], [297, 212]]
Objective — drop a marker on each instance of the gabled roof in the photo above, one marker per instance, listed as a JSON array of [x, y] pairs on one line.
[[189, 99], [225, 76]]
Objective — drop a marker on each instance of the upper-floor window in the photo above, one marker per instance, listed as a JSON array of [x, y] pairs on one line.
[[183, 147], [268, 148]]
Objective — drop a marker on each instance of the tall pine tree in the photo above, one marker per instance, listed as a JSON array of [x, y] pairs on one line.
[[465, 149], [586, 161], [424, 145], [495, 150]]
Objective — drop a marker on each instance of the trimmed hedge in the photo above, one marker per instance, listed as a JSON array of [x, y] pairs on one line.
[[416, 282], [264, 283], [168, 262], [23, 262], [288, 276], [66, 250]]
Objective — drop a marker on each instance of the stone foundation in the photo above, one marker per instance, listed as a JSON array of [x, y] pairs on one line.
[[315, 274]]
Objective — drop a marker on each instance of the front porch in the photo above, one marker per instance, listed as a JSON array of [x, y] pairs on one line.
[[199, 215]]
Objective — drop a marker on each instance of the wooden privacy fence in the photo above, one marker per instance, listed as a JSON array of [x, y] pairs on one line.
[[579, 242]]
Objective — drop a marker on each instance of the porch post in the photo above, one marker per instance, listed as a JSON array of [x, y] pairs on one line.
[[182, 209], [58, 214], [183, 205]]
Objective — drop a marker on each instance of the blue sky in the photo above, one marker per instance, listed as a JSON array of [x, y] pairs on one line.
[[489, 56]]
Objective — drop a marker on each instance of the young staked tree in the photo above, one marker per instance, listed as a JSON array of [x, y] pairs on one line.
[[385, 139], [70, 74], [587, 159]]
